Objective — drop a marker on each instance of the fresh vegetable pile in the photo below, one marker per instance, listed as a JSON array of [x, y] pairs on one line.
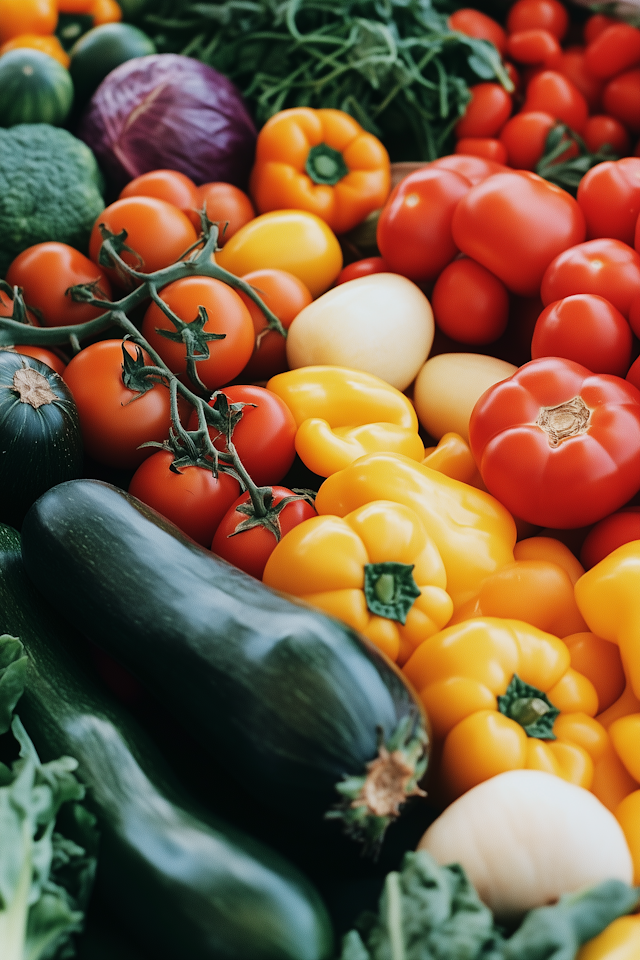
[[320, 481]]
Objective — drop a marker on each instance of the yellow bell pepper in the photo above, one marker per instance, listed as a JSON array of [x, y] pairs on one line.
[[343, 414], [501, 695], [627, 813], [376, 569], [619, 941], [452, 456], [608, 597], [473, 532]]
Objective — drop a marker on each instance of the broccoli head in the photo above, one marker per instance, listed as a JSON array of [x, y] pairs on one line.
[[50, 189]]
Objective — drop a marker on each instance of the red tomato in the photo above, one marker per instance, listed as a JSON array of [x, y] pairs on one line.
[[414, 228], [472, 167], [250, 549], [40, 353], [571, 65], [158, 232], [487, 111], [284, 294], [608, 534], [548, 15], [170, 185], [363, 268], [488, 147], [609, 196], [226, 205], [594, 26], [587, 329], [226, 315], [473, 23], [621, 99], [114, 419], [554, 93], [608, 268], [45, 272], [615, 49], [601, 130], [469, 303], [524, 138], [264, 438], [193, 499], [558, 445], [514, 224], [534, 46]]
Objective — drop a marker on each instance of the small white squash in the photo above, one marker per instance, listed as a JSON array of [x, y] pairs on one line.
[[526, 837]]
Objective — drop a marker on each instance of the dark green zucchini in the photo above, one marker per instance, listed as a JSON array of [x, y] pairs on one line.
[[185, 885], [294, 703]]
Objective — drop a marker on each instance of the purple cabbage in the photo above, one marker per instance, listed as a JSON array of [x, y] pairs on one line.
[[169, 112]]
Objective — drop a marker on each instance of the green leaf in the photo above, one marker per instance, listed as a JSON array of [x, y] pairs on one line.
[[13, 666]]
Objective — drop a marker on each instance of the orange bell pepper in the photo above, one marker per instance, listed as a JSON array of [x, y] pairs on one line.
[[321, 161], [501, 695], [376, 569]]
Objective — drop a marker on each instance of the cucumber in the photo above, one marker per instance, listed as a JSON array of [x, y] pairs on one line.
[[300, 709], [181, 882]]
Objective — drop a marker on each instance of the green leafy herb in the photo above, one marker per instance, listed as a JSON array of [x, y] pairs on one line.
[[566, 158], [394, 65], [45, 877], [430, 912]]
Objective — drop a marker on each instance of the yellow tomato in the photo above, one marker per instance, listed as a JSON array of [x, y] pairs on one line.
[[27, 16], [292, 240], [381, 324]]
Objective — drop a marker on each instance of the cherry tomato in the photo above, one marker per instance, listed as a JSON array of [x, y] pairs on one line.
[[27, 16], [40, 353], [621, 98], [226, 205], [548, 15], [486, 113], [473, 168], [608, 534], [414, 228], [158, 232], [488, 147], [363, 268], [250, 549], [595, 24], [587, 329], [554, 93], [264, 438], [470, 304], [609, 196], [474, 23], [534, 46], [193, 499], [601, 130], [45, 272], [226, 316], [524, 138], [606, 267], [558, 445], [114, 419], [285, 295], [515, 224], [615, 49], [170, 185], [572, 66]]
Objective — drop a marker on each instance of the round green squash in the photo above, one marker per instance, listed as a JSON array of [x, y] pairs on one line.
[[34, 88], [40, 437]]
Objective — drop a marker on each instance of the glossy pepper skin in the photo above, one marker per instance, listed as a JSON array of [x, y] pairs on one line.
[[474, 533], [376, 569], [343, 414], [501, 695], [322, 161]]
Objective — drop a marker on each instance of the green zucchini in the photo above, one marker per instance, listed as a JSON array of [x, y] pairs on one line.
[[298, 707], [185, 885]]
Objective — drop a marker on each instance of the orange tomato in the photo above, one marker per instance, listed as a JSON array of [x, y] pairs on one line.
[[105, 11], [45, 43], [226, 205], [27, 16]]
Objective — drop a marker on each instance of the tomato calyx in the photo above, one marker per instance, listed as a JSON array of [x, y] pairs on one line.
[[529, 707], [565, 420], [261, 511], [136, 375], [19, 309], [563, 142]]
